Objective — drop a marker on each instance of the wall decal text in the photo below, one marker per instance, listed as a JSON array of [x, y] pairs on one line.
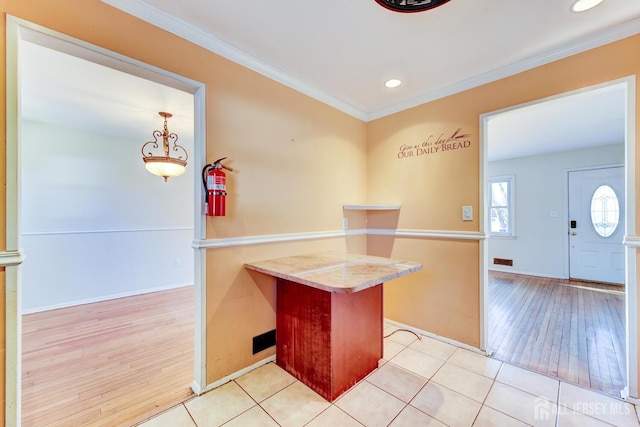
[[436, 144]]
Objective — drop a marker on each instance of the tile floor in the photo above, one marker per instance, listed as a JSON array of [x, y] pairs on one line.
[[424, 382]]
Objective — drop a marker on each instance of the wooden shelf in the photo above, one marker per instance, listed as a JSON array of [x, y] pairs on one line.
[[371, 207]]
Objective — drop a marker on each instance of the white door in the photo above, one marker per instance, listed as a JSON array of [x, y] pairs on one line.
[[596, 225]]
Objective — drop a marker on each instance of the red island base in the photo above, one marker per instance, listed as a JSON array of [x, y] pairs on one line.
[[328, 340]]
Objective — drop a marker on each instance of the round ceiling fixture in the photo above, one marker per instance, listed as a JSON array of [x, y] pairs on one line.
[[408, 6], [583, 5], [391, 83]]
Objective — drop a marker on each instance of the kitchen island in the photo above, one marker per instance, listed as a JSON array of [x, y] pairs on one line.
[[329, 315]]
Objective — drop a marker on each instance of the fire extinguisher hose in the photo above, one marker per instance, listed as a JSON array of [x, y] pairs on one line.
[[205, 170]]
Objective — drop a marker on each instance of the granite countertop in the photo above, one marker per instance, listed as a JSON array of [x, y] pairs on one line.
[[335, 271]]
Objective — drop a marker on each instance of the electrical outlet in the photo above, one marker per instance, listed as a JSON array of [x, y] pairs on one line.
[[177, 262]]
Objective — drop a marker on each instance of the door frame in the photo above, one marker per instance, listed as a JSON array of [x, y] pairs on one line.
[[18, 29], [631, 241]]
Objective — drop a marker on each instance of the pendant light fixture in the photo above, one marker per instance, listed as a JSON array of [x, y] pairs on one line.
[[162, 164]]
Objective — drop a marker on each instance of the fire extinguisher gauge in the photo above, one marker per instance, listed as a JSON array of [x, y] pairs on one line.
[[217, 165]]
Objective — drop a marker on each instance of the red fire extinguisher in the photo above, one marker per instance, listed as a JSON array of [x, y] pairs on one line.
[[214, 181]]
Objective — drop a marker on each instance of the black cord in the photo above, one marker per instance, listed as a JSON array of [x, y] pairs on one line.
[[406, 330]]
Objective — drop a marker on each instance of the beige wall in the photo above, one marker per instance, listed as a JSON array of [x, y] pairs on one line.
[[444, 297], [3, 345], [298, 161], [431, 188]]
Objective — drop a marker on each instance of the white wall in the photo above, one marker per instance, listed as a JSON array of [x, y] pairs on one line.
[[95, 224], [540, 188]]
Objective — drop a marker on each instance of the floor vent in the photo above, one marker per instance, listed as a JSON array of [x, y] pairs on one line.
[[264, 341], [503, 261]]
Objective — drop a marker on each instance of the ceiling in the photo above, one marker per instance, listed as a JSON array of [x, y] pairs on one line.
[[341, 52], [579, 120], [62, 89]]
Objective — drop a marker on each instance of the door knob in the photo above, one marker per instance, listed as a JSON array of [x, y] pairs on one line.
[[573, 233]]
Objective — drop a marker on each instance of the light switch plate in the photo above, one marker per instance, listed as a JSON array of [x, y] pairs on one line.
[[467, 213]]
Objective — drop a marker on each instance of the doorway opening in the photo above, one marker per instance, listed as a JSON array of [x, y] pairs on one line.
[[112, 225], [540, 311]]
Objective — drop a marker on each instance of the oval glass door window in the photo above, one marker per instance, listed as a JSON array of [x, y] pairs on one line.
[[605, 211]]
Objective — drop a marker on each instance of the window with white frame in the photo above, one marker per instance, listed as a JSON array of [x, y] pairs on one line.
[[501, 206]]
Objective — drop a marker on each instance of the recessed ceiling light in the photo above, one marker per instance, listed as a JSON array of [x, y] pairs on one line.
[[392, 83], [582, 5]]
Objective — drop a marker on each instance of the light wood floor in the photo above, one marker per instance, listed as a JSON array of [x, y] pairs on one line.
[[568, 329], [112, 363]]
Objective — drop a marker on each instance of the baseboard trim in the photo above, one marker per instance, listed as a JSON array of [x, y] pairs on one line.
[[437, 337], [526, 273], [624, 395], [104, 298], [199, 390]]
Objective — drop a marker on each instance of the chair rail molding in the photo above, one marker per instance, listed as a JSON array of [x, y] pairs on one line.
[[316, 235], [631, 241], [11, 258]]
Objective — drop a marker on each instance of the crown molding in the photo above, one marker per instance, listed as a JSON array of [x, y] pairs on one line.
[[597, 39], [163, 20], [180, 28]]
